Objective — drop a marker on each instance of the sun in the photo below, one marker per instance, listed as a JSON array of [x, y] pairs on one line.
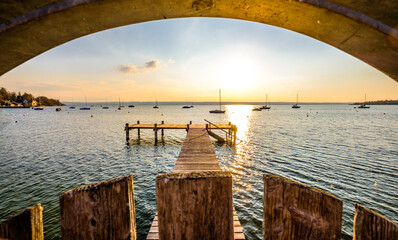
[[238, 73]]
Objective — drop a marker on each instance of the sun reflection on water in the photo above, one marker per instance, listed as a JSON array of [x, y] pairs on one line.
[[240, 116]]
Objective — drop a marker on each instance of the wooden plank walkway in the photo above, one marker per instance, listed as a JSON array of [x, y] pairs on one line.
[[180, 126], [197, 154]]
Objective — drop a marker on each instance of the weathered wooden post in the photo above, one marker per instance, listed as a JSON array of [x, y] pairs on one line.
[[196, 205], [187, 127], [127, 133], [162, 130], [190, 122], [103, 210], [292, 210], [207, 127], [369, 225], [156, 133], [235, 130], [138, 130], [27, 224]]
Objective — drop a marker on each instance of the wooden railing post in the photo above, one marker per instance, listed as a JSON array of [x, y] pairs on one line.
[[162, 130], [156, 133], [127, 133], [24, 225], [292, 210], [103, 210], [138, 130], [196, 205], [369, 225]]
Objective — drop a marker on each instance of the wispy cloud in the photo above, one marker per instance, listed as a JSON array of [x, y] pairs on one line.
[[134, 69], [171, 61]]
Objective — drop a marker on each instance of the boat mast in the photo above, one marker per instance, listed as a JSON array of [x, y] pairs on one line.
[[85, 97], [219, 94], [297, 100]]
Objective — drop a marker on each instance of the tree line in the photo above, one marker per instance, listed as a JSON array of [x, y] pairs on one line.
[[26, 99]]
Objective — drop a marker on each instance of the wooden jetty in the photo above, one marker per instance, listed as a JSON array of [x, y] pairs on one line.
[[197, 156], [229, 130]]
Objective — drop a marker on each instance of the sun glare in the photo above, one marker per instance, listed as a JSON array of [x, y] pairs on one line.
[[238, 72]]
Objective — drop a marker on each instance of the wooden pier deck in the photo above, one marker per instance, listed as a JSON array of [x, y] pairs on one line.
[[197, 154], [229, 130]]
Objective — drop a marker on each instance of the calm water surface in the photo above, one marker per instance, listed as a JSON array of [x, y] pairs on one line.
[[350, 153]]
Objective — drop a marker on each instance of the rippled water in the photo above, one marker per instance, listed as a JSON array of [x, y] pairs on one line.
[[350, 153]]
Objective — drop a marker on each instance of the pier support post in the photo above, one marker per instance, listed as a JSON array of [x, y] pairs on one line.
[[138, 131], [235, 130], [156, 133], [162, 130], [292, 210], [99, 211], [127, 133], [196, 205], [24, 225], [370, 225]]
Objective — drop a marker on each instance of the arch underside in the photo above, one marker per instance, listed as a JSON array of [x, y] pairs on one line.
[[361, 28]]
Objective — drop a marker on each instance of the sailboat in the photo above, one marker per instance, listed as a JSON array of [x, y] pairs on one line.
[[364, 104], [72, 107], [267, 105], [85, 108], [218, 110], [120, 106], [156, 106], [296, 104], [186, 106], [38, 108]]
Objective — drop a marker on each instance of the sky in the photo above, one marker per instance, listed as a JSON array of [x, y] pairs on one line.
[[190, 59]]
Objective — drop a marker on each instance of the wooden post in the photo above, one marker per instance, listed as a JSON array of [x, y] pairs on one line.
[[187, 127], [369, 225], [127, 133], [139, 132], [195, 205], [162, 130], [156, 133], [292, 210], [207, 127], [99, 211], [235, 130], [24, 225], [190, 122]]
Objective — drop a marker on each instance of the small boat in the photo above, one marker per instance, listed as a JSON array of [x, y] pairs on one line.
[[58, 109], [364, 104], [267, 105], [38, 108], [296, 104], [156, 106], [120, 106], [85, 108], [257, 109], [105, 107], [218, 110], [131, 106], [72, 107], [186, 106]]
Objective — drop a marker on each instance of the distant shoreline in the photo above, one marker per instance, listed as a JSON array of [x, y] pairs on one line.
[[217, 103]]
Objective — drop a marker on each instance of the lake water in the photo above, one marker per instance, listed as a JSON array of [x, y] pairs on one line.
[[350, 153]]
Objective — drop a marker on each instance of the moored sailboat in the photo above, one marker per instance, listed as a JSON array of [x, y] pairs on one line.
[[218, 110], [296, 104]]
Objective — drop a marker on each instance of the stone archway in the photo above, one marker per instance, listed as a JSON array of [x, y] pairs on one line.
[[361, 28]]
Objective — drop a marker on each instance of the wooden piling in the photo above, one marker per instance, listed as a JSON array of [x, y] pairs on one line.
[[156, 133], [138, 131], [195, 205], [369, 225], [294, 211], [162, 130], [235, 129], [24, 225], [127, 133], [99, 211]]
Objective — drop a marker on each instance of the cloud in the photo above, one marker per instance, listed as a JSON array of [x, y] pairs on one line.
[[171, 61], [133, 69]]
